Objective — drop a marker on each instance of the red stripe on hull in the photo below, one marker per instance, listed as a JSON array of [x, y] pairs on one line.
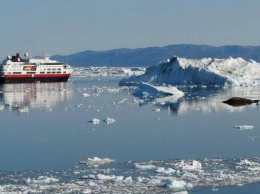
[[29, 78], [50, 75]]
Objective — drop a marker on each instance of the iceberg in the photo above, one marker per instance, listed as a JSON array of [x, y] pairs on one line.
[[203, 72]]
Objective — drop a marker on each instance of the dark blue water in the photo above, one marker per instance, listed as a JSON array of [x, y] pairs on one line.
[[54, 135]]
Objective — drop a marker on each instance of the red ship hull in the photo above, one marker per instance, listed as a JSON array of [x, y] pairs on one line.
[[31, 78]]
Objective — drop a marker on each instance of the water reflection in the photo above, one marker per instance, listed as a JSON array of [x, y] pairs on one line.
[[205, 100], [34, 95]]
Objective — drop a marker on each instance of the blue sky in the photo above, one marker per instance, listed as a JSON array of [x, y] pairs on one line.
[[70, 26]]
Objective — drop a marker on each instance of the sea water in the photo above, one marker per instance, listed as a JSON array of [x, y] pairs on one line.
[[50, 144]]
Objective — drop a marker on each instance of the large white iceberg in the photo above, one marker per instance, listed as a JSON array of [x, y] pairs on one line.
[[207, 71]]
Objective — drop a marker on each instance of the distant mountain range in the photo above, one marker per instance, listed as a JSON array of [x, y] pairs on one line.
[[152, 55]]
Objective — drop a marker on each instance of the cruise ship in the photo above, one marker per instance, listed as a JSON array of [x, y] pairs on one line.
[[15, 69]]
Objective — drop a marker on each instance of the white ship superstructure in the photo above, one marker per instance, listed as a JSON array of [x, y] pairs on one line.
[[17, 70]]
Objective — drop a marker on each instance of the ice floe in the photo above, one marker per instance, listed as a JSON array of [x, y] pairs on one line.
[[246, 162], [244, 127], [23, 109], [177, 184], [163, 170], [42, 180], [144, 167], [149, 90], [85, 95], [96, 161], [196, 165], [2, 107], [95, 121], [156, 110], [109, 120]]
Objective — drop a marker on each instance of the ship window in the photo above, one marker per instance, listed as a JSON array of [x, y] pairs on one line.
[[42, 72], [58, 72], [16, 72]]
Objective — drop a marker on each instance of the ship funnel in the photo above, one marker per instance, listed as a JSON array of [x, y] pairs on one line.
[[26, 55]]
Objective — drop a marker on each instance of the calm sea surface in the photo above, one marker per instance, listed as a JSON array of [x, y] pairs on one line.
[[48, 140]]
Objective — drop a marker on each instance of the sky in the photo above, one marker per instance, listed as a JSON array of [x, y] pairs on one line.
[[69, 26]]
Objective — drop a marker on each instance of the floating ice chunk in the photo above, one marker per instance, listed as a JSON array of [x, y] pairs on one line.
[[42, 180], [167, 99], [122, 100], [244, 127], [99, 177], [196, 165], [119, 178], [128, 179], [156, 110], [2, 107], [163, 170], [178, 185], [105, 177], [23, 109], [256, 168], [181, 192], [15, 106], [94, 121], [96, 161], [86, 191], [109, 120], [246, 162], [92, 184], [144, 167], [85, 95], [146, 90], [79, 105], [139, 179]]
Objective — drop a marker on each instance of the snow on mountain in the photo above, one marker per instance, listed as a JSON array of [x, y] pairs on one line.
[[204, 72]]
